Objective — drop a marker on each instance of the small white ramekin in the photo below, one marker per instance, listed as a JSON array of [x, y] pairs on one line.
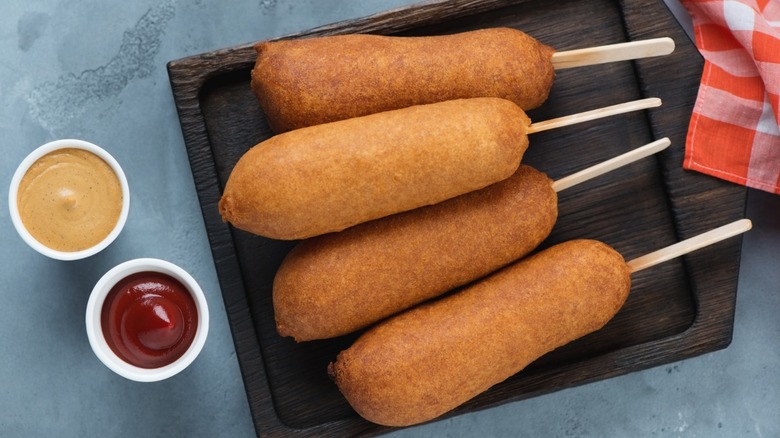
[[22, 170], [95, 332]]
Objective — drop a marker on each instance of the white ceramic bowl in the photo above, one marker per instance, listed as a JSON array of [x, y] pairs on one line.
[[32, 158], [95, 332]]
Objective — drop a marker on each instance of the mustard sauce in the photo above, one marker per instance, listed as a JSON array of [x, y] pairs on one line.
[[69, 199]]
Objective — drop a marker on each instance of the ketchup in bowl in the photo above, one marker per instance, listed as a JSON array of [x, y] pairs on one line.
[[149, 319]]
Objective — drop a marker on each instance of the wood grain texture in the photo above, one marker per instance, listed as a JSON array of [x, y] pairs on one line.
[[676, 310]]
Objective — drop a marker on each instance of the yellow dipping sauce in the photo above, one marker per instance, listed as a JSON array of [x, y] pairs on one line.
[[69, 199]]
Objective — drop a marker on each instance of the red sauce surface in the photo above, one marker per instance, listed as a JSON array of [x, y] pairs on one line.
[[149, 319]]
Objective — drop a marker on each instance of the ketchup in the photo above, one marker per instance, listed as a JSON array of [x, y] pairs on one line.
[[149, 319]]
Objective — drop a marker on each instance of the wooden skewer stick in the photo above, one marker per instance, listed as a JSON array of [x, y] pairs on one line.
[[611, 164], [612, 53], [689, 245], [634, 105]]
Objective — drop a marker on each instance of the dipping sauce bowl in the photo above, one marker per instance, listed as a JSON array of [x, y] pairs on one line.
[[69, 199], [147, 319]]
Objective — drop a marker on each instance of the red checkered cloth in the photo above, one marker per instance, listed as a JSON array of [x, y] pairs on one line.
[[734, 132]]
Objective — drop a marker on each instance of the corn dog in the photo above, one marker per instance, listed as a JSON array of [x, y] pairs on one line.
[[338, 283], [329, 177], [312, 81], [425, 362]]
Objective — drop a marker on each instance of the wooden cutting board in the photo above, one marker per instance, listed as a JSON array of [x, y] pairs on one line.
[[676, 310]]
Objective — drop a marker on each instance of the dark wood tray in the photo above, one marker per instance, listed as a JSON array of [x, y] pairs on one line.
[[679, 309]]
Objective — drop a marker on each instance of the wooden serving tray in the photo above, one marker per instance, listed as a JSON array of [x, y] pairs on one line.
[[676, 310]]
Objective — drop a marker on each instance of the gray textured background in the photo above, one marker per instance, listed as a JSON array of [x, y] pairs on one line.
[[96, 70]]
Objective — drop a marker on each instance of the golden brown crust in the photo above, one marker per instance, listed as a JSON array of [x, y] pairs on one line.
[[329, 177], [312, 81], [338, 283], [425, 362]]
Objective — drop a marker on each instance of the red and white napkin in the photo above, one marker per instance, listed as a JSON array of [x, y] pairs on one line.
[[733, 133]]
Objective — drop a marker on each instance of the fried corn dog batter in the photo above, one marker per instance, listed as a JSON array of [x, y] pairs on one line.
[[425, 362], [329, 177], [311, 81]]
